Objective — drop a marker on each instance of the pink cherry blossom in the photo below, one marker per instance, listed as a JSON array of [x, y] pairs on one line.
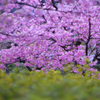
[[49, 34]]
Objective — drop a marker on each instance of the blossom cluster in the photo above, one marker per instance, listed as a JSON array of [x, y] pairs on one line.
[[50, 33]]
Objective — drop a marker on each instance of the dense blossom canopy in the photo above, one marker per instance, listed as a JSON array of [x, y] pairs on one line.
[[50, 33]]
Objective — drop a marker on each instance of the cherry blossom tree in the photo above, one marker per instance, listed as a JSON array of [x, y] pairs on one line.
[[49, 33]]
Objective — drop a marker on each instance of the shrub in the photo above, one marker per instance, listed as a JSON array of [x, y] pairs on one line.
[[52, 85]]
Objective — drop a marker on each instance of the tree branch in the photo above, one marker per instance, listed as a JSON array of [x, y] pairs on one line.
[[89, 37]]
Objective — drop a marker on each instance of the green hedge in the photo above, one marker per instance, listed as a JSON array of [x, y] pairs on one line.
[[52, 85]]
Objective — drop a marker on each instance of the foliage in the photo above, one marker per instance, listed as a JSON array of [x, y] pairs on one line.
[[97, 66], [48, 86], [11, 67]]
